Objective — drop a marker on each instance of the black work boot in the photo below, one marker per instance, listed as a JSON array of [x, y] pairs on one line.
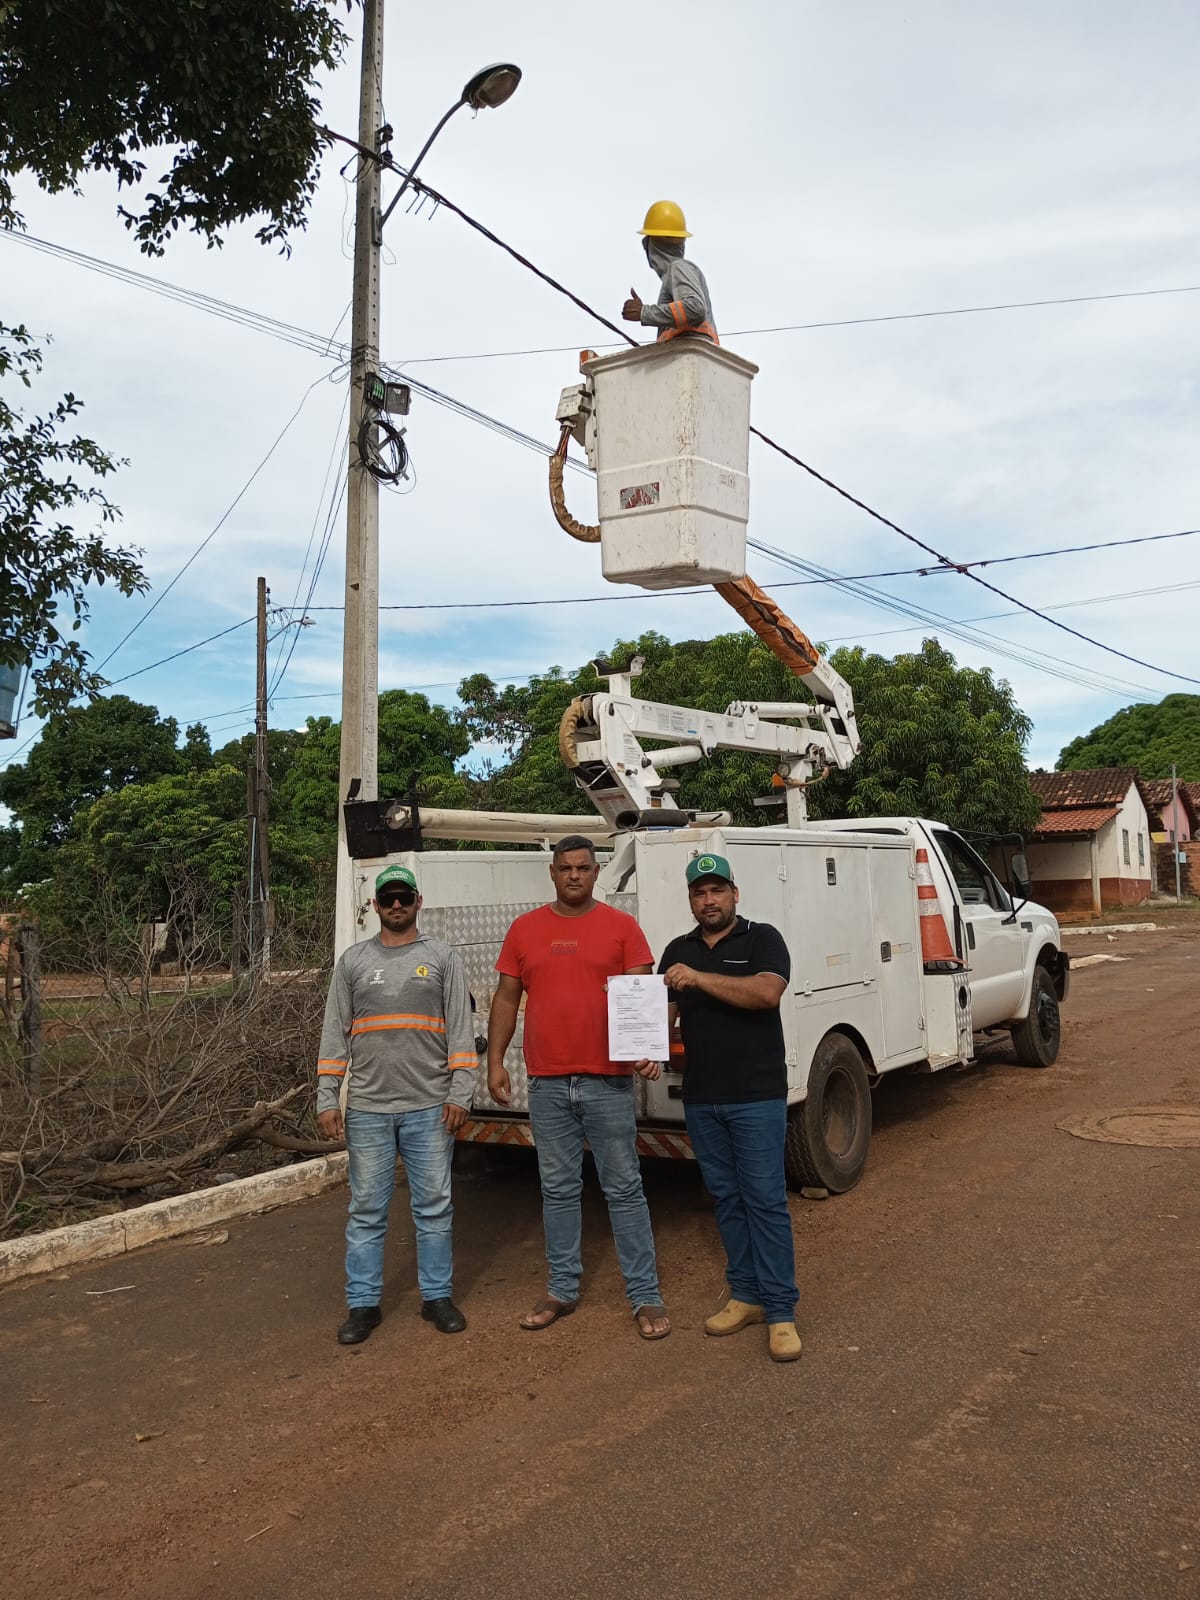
[[444, 1314], [359, 1325]]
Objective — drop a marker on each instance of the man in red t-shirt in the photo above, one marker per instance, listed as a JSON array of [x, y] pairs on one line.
[[561, 958]]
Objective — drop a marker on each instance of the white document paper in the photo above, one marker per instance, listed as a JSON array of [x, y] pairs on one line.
[[637, 1018]]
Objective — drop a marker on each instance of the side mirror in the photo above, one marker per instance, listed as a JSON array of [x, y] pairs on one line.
[[1019, 873]]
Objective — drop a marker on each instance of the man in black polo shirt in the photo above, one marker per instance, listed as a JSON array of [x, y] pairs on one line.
[[725, 980]]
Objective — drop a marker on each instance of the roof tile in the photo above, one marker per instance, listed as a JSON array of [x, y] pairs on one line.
[[1080, 819], [1096, 786]]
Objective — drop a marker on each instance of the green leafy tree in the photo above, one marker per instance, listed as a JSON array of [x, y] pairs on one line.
[[419, 744], [1147, 736], [283, 746], [939, 740], [223, 94], [151, 831], [197, 753], [82, 754], [46, 566]]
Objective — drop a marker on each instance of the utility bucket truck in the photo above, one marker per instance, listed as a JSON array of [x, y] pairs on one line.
[[905, 946]]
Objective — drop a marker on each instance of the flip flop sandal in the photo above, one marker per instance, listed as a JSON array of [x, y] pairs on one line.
[[652, 1314], [560, 1308]]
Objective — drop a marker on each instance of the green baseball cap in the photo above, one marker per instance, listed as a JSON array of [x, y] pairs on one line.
[[396, 875], [709, 867]]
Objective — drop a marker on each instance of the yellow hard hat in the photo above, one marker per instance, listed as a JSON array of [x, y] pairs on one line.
[[664, 220]]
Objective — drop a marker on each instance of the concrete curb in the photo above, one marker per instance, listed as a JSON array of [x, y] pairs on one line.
[[167, 1219]]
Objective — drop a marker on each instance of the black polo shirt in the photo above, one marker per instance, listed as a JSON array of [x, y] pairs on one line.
[[732, 1055]]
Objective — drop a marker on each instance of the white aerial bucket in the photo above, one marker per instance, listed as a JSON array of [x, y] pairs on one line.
[[672, 443]]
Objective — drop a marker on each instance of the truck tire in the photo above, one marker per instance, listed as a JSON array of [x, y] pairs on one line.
[[1036, 1039], [829, 1132]]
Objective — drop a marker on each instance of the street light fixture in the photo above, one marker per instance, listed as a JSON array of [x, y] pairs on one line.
[[489, 88], [493, 86]]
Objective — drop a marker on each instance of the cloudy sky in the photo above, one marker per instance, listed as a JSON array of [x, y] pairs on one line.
[[836, 162]]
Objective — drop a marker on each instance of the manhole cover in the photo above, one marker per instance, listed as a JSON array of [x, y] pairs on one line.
[[1162, 1127]]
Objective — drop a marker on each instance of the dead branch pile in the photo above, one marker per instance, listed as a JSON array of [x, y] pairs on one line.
[[149, 1085]]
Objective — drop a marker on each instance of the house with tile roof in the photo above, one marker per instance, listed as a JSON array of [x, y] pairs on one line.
[[1092, 850], [1176, 813]]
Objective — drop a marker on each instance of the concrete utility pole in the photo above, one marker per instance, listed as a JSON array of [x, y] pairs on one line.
[[359, 758], [358, 764], [1175, 825]]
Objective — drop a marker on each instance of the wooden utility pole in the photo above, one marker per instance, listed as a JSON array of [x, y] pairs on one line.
[[258, 853], [262, 789]]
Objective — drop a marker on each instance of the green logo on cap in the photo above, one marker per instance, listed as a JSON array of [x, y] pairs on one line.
[[709, 866]]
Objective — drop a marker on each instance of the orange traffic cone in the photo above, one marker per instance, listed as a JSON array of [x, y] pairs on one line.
[[937, 952]]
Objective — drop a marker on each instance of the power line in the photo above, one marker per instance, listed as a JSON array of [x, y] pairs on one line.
[[335, 506], [974, 577], [323, 345], [209, 537], [789, 455], [1062, 605], [838, 322], [1026, 656], [799, 583], [186, 651]]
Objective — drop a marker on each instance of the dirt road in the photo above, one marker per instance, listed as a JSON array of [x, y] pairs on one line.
[[998, 1395]]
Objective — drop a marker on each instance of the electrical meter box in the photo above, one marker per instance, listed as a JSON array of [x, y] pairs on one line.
[[671, 451]]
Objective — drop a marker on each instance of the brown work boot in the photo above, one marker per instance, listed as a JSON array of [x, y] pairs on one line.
[[785, 1341], [733, 1316]]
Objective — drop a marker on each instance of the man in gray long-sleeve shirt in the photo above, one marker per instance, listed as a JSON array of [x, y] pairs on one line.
[[683, 307], [398, 1021]]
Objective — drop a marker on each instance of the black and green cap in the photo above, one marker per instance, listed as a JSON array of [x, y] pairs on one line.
[[709, 867], [395, 875]]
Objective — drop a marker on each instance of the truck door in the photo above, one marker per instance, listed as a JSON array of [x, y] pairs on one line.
[[994, 942]]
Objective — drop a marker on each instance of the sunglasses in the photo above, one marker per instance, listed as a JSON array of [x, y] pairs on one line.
[[399, 897]]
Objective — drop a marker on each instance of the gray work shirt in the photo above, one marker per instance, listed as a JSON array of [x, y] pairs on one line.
[[398, 1020]]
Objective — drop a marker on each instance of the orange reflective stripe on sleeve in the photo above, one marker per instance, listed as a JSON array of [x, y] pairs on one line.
[[460, 1059], [332, 1069], [678, 315]]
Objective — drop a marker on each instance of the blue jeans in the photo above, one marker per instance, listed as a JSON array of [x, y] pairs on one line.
[[599, 1108], [740, 1151], [373, 1139]]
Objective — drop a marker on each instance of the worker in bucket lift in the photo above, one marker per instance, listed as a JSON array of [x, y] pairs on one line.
[[683, 305]]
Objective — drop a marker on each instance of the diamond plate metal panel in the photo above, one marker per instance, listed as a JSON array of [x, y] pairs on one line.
[[962, 1020], [477, 932]]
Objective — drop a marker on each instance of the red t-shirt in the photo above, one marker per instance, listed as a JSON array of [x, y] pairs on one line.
[[563, 964]]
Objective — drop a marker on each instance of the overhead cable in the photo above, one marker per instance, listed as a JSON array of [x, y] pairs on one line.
[[321, 344], [186, 651], [789, 455], [836, 322], [211, 535]]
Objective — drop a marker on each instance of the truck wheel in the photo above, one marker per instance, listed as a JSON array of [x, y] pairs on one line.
[[1037, 1038], [829, 1132]]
